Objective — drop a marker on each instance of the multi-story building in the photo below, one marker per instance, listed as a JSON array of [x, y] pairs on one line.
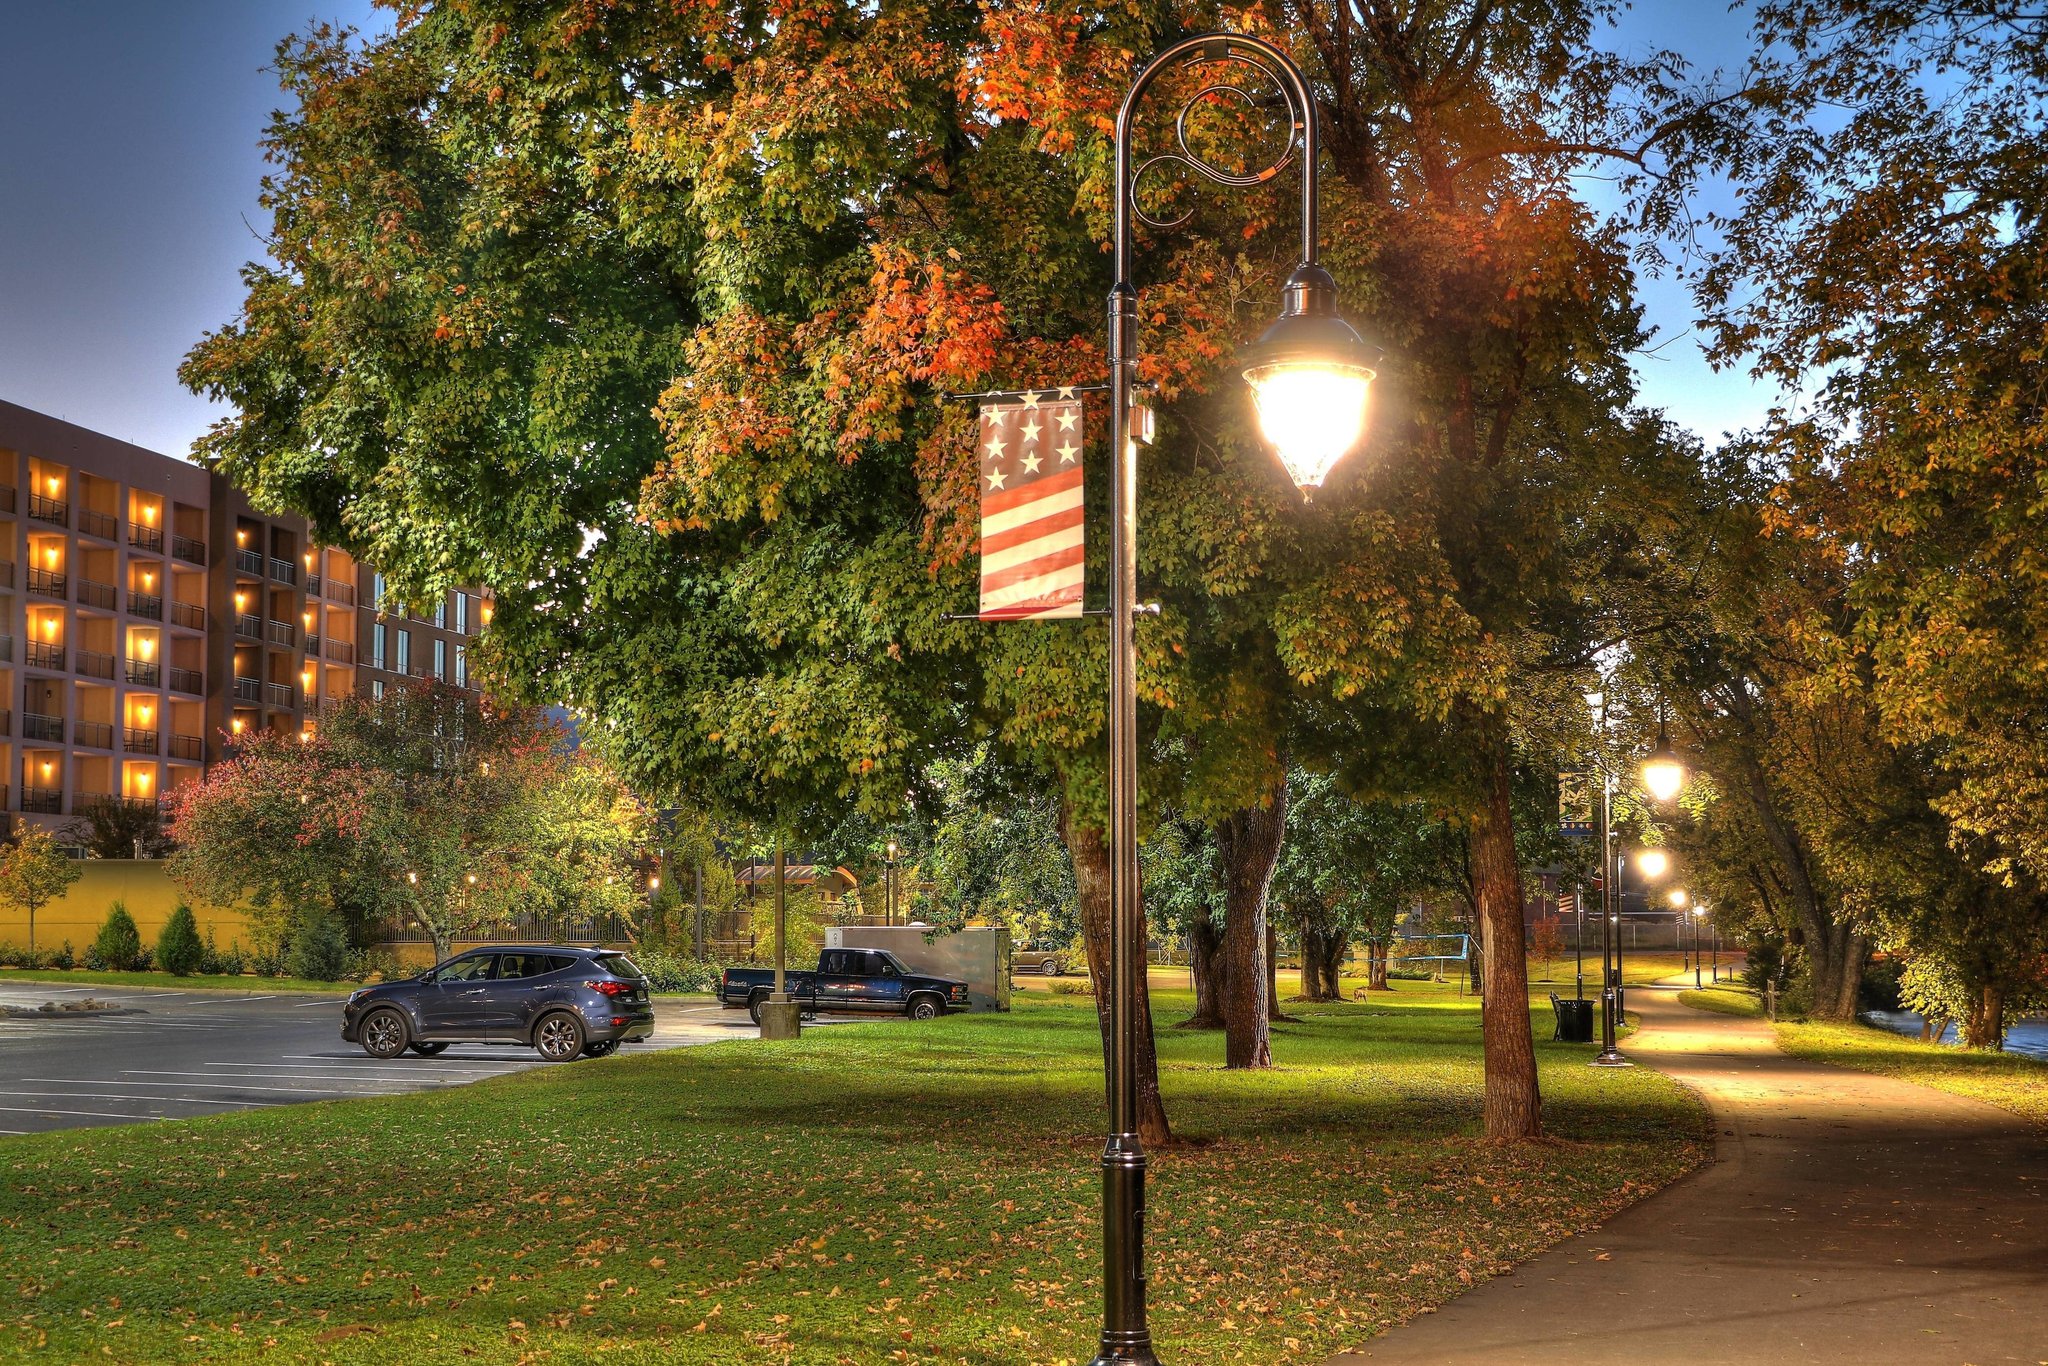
[[149, 614]]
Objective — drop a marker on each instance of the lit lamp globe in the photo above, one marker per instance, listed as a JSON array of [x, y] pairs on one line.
[[1678, 898], [1653, 862], [1310, 374], [1663, 771]]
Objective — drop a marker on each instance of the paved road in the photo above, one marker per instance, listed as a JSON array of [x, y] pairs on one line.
[[207, 1052], [1847, 1219]]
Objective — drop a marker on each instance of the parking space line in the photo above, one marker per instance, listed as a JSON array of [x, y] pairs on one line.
[[421, 1063], [231, 1076], [345, 1073], [108, 1095], [95, 1114], [285, 1090]]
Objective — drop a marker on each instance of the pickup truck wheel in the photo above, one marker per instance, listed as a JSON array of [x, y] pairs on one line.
[[924, 1008], [559, 1036], [754, 1004], [1049, 968], [385, 1033]]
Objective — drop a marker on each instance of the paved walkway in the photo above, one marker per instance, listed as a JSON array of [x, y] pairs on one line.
[[1847, 1218]]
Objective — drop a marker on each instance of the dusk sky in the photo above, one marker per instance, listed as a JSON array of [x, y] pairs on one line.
[[128, 182]]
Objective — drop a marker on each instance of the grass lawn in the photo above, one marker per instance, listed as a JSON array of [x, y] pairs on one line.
[[1723, 1000], [885, 1192], [164, 981], [2011, 1081]]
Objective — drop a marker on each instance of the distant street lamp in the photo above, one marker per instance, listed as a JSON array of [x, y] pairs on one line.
[[1677, 900], [1697, 912], [1663, 776], [1309, 375], [889, 885]]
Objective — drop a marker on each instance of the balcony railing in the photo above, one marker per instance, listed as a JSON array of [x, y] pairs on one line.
[[6, 721], [341, 591], [248, 689], [134, 741], [189, 548], [48, 583], [249, 561], [313, 585], [42, 655], [188, 747], [187, 680], [282, 633], [145, 537], [249, 626], [43, 801], [49, 509], [7, 496], [280, 695], [100, 524], [7, 649], [147, 672], [284, 571], [339, 651], [93, 734], [36, 726], [99, 595], [150, 605], [6, 573], [190, 615], [93, 664]]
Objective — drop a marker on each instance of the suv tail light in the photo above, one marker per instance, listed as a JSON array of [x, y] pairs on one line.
[[609, 988]]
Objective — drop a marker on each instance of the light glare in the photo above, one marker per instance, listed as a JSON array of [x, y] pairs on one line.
[[1312, 412]]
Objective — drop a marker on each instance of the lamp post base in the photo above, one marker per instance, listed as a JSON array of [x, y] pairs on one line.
[[1610, 1060], [781, 1018], [1141, 1356]]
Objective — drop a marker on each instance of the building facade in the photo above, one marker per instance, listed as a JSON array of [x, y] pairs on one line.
[[149, 614]]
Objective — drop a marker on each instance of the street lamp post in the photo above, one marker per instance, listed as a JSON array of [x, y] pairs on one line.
[[1697, 912], [889, 886], [1309, 375]]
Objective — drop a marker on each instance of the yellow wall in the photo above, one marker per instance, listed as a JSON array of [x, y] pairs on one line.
[[141, 885]]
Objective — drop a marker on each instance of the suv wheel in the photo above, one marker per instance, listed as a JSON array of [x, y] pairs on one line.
[[924, 1008], [559, 1036], [1049, 968], [385, 1033]]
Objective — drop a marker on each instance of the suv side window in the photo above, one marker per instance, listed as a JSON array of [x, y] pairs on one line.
[[475, 969], [525, 965]]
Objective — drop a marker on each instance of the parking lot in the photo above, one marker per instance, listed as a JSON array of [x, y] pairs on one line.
[[194, 1053]]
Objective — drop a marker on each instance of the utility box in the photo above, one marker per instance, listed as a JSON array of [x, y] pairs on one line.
[[978, 957]]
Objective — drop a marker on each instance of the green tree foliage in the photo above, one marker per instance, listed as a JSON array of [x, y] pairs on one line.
[[33, 873], [178, 947], [427, 806], [995, 853], [110, 828], [508, 233], [118, 946], [319, 949]]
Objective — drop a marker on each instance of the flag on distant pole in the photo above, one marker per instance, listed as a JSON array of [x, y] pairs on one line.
[[1029, 457]]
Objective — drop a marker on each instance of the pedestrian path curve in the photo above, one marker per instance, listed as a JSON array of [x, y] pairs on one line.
[[1846, 1219]]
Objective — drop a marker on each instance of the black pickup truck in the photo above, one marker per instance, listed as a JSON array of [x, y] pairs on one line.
[[848, 979]]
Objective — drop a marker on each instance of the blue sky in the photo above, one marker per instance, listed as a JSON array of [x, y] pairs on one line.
[[129, 173]]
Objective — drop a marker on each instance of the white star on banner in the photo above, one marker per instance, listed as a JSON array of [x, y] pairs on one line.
[[1031, 398], [995, 481], [1067, 420], [995, 447], [1031, 463], [1068, 452], [1031, 431], [1066, 391]]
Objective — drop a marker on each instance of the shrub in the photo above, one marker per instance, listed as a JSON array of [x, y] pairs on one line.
[[118, 947], [674, 972], [178, 950], [64, 958], [364, 964], [233, 963], [319, 951], [1066, 986]]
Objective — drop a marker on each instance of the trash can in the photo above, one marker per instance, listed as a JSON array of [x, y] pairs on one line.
[[1574, 1021]]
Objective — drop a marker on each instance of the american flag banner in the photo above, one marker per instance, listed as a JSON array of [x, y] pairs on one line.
[[1032, 557]]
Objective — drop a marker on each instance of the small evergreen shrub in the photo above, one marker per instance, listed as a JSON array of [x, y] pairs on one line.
[[675, 972], [319, 951], [64, 958], [118, 948], [178, 949]]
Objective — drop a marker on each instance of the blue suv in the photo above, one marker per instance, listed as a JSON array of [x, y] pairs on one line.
[[563, 1002]]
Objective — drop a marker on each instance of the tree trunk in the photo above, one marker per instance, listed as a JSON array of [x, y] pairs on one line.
[[1333, 966], [1316, 964], [1089, 849], [1205, 963], [1377, 955], [1514, 1106], [1835, 955], [1249, 840], [1984, 1026]]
